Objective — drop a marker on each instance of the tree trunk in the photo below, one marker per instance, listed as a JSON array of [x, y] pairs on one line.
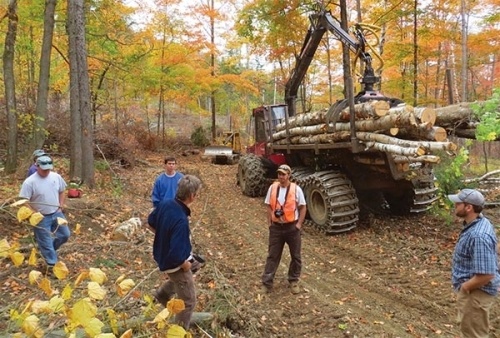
[[44, 76], [10, 87], [77, 17], [75, 163]]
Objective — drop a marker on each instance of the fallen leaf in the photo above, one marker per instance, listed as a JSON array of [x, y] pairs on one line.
[[17, 258], [34, 276], [32, 258], [45, 286], [96, 291], [4, 248], [97, 275], [60, 270], [31, 328], [125, 286]]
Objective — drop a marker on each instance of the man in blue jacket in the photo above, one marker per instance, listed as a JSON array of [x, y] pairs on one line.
[[172, 246], [166, 183]]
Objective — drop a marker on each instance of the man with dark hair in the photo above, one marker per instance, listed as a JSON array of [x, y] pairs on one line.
[[45, 192], [165, 184], [475, 275], [172, 246]]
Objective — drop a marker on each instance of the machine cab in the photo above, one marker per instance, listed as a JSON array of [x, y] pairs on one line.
[[265, 119]]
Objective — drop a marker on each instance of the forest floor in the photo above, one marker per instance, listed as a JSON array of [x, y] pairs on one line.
[[390, 277]]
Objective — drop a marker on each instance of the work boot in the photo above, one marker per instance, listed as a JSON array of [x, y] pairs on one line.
[[294, 287]]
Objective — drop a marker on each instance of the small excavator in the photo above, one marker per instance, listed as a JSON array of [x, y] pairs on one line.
[[227, 151]]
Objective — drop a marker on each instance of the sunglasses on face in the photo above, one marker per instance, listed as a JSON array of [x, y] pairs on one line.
[[45, 163]]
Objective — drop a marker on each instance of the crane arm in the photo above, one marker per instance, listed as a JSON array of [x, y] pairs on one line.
[[320, 23]]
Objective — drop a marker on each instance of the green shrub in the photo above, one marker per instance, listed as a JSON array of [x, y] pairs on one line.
[[199, 137]]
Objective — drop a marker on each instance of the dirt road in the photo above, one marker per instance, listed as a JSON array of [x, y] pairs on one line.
[[388, 278]]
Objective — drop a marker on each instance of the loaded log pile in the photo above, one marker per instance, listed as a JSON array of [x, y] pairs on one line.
[[410, 134], [458, 120]]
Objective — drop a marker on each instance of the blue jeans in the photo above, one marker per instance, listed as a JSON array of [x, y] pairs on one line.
[[50, 236]]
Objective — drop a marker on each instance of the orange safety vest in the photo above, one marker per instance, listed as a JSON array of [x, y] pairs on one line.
[[290, 203]]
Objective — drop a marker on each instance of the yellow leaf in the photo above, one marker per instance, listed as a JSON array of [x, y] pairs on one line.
[[23, 213], [125, 287], [40, 306], [127, 334], [77, 228], [61, 221], [36, 218], [93, 327], [56, 304], [105, 335], [82, 311], [96, 291], [27, 308], [119, 279], [32, 259], [67, 292], [17, 258], [14, 315], [4, 248], [176, 331], [176, 305], [45, 286], [30, 327], [113, 321], [97, 275], [34, 276], [81, 277], [18, 203], [60, 270], [162, 316]]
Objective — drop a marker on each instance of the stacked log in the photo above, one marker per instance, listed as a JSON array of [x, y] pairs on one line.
[[409, 134], [459, 120]]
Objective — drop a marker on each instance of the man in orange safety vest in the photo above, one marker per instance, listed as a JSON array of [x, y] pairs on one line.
[[286, 213]]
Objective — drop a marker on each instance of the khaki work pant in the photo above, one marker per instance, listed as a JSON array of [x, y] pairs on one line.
[[474, 313]]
